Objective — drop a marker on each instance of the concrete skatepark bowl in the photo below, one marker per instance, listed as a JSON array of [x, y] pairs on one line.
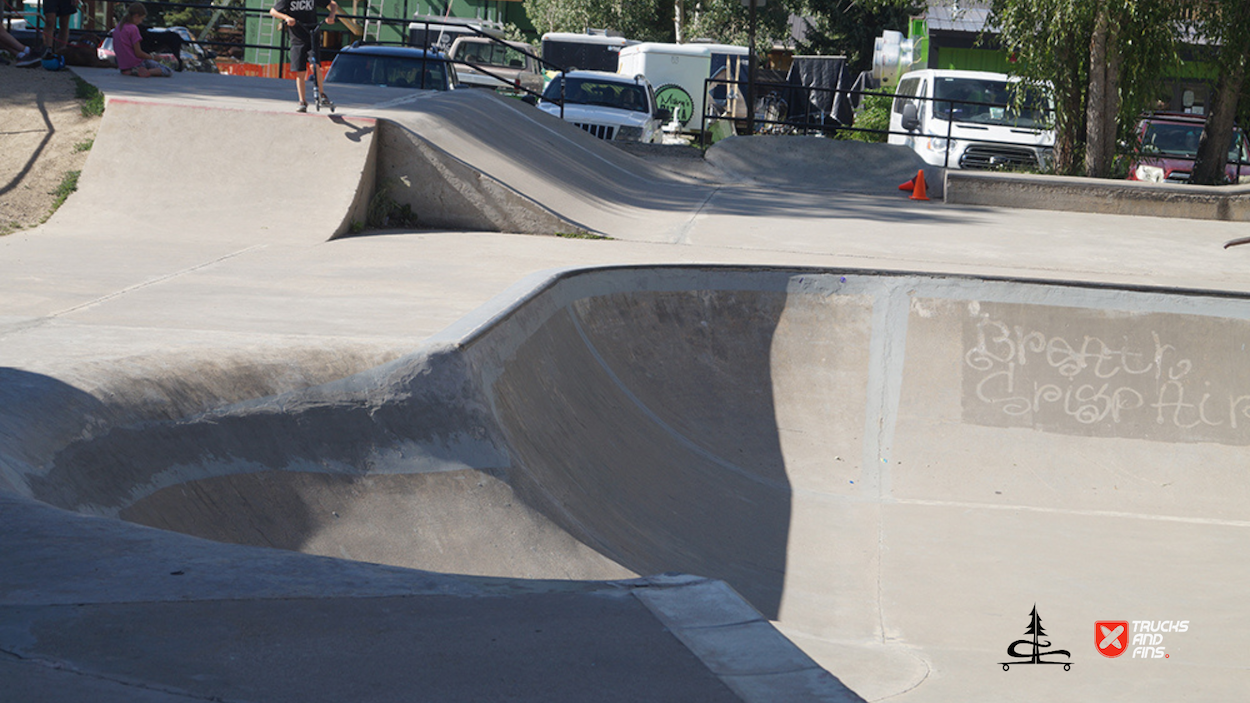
[[228, 471], [895, 468]]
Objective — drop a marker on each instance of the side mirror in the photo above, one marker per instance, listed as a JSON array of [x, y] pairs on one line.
[[663, 114], [911, 117]]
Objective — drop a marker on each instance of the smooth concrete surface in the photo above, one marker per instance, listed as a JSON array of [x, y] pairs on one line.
[[892, 469], [844, 166], [168, 169], [1178, 200]]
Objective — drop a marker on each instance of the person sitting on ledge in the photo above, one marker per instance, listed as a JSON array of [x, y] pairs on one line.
[[132, 60]]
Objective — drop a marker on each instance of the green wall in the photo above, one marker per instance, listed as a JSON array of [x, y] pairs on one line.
[[973, 60], [503, 11]]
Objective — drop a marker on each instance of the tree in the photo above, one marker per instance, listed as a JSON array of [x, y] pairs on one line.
[[850, 27], [1225, 24], [1104, 60], [727, 21], [644, 20]]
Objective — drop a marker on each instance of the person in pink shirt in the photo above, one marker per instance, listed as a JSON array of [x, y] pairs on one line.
[[132, 60]]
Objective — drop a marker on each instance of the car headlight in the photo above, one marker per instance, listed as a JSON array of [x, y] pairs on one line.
[[937, 144], [1150, 174], [629, 134]]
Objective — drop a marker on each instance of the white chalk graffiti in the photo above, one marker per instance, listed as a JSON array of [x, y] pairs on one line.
[[1096, 381]]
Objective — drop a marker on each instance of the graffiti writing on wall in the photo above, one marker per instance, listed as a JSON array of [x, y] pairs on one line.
[[1159, 376]]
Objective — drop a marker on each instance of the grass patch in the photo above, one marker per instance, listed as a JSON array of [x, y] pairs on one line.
[[69, 184], [84, 146], [93, 99], [384, 212], [581, 235]]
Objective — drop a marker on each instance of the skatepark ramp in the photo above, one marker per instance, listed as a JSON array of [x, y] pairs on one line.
[[170, 170], [466, 160], [903, 471]]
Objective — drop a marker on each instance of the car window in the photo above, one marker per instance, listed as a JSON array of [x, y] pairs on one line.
[[1237, 152], [906, 87], [491, 54], [1171, 139], [986, 101], [391, 71], [580, 91]]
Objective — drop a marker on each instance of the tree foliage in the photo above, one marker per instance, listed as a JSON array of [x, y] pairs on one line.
[[1104, 59], [644, 20], [846, 27], [1225, 26]]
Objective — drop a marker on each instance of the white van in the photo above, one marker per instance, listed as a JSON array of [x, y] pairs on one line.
[[964, 119]]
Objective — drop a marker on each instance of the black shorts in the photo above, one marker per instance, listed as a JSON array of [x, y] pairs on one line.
[[301, 48], [60, 8]]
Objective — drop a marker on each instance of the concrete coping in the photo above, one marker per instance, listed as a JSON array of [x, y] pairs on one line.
[[1077, 194]]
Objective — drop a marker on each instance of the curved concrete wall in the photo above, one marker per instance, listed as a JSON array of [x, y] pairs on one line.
[[895, 467]]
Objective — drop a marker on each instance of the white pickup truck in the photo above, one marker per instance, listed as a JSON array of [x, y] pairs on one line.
[[608, 105], [967, 119]]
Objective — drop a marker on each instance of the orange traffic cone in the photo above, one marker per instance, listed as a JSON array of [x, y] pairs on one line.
[[918, 192], [908, 186]]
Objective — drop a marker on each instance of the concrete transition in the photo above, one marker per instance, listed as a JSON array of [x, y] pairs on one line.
[[927, 483], [874, 461]]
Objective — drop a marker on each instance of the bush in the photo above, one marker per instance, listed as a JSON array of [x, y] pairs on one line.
[[873, 113]]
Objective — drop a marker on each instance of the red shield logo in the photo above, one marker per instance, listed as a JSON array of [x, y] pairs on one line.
[[1111, 637]]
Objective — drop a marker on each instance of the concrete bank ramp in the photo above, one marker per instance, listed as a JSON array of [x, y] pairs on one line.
[[470, 159], [815, 163], [581, 180], [179, 172], [911, 475]]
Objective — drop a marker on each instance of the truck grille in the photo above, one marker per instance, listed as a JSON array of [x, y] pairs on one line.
[[989, 156], [603, 131]]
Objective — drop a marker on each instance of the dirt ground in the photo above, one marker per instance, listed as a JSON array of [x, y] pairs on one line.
[[43, 136]]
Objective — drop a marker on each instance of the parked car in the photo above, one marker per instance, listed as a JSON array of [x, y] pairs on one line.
[[1169, 145], [438, 32], [608, 105], [964, 119], [392, 67], [509, 60]]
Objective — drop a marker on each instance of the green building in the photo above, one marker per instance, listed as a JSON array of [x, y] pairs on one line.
[[381, 22]]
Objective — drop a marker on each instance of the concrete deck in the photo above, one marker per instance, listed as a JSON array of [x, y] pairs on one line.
[[893, 427]]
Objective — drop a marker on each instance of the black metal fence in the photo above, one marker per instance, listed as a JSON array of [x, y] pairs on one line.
[[217, 46], [788, 108]]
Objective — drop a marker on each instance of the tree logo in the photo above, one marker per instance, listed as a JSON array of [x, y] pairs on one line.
[[1037, 645], [677, 101], [1111, 637]]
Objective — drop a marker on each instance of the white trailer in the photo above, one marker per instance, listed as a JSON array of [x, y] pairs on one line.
[[678, 72]]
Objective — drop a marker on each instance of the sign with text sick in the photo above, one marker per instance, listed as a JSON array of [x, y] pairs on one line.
[[685, 66]]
